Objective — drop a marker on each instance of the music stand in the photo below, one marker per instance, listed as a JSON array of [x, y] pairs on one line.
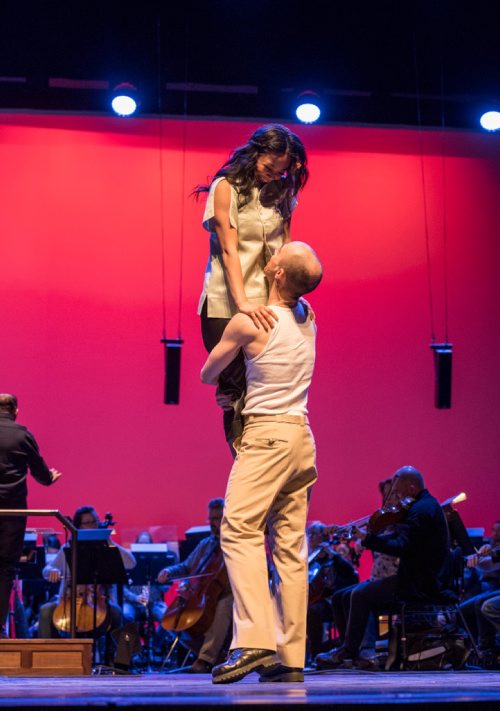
[[32, 560], [151, 558], [99, 563]]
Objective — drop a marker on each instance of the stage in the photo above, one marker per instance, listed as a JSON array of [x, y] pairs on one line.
[[333, 690]]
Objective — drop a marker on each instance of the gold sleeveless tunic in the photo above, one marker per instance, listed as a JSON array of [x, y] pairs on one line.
[[260, 233]]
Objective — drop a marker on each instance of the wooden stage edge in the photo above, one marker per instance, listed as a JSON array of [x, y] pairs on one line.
[[341, 690], [45, 657]]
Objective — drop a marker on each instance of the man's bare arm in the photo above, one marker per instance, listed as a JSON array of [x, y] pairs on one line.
[[238, 333]]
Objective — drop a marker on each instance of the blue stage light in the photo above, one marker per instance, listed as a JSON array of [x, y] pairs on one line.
[[125, 100], [490, 120], [308, 109]]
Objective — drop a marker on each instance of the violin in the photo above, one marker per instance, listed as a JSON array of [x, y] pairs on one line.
[[193, 608], [377, 521]]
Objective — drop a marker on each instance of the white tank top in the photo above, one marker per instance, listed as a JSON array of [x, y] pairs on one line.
[[278, 378]]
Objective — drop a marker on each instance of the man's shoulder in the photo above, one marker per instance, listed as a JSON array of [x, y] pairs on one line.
[[242, 325], [426, 505], [14, 427]]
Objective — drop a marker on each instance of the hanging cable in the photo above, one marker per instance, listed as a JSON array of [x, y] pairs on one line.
[[183, 179], [424, 194], [442, 352], [445, 232], [172, 346], [160, 155]]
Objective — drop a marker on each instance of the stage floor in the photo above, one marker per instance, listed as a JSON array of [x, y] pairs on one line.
[[333, 690]]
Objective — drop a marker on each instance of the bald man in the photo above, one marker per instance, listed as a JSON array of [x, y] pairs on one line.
[[271, 479]]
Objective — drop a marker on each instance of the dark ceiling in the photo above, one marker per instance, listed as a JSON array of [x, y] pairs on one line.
[[409, 62]]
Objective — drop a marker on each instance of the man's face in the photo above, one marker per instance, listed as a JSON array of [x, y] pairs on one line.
[[275, 263], [401, 488], [495, 534], [214, 519]]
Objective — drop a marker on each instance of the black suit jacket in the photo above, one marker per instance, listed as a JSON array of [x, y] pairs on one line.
[[422, 545], [18, 454]]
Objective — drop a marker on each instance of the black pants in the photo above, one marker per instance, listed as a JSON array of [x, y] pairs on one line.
[[317, 614], [341, 602], [11, 546], [367, 598], [232, 380]]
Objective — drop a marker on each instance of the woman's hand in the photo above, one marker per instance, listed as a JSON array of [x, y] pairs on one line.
[[261, 315], [310, 312], [223, 400]]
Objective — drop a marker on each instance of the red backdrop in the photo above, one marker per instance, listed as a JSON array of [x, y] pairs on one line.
[[81, 290]]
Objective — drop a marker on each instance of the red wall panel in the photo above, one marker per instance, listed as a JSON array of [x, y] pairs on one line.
[[81, 293]]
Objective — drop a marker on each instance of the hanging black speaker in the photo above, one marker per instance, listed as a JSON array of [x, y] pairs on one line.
[[172, 370], [442, 374]]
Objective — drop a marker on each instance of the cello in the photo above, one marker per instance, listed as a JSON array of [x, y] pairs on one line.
[[91, 607], [193, 608]]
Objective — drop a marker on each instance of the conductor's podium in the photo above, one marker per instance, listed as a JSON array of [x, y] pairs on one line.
[[45, 657]]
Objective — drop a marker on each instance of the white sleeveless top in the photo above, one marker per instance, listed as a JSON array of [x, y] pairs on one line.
[[278, 378], [260, 233]]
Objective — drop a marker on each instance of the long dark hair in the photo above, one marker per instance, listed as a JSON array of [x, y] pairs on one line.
[[239, 169]]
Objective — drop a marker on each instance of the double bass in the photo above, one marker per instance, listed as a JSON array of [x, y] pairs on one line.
[[193, 608]]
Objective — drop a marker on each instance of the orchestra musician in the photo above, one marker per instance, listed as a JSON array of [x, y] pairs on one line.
[[85, 517], [421, 543], [329, 572], [219, 601], [138, 599], [482, 610], [383, 566]]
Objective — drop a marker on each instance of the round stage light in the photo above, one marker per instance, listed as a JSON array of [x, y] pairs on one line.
[[308, 106], [490, 120], [124, 102], [308, 112]]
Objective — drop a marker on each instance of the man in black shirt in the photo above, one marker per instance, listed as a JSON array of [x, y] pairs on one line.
[[18, 453], [422, 545]]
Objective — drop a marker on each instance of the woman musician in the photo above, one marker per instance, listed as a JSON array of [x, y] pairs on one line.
[[54, 616]]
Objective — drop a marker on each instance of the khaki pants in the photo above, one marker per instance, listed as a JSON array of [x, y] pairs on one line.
[[270, 484]]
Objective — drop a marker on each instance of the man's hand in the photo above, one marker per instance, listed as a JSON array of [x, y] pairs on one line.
[[55, 475], [472, 561], [54, 575], [260, 315], [163, 575], [485, 550], [359, 533]]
